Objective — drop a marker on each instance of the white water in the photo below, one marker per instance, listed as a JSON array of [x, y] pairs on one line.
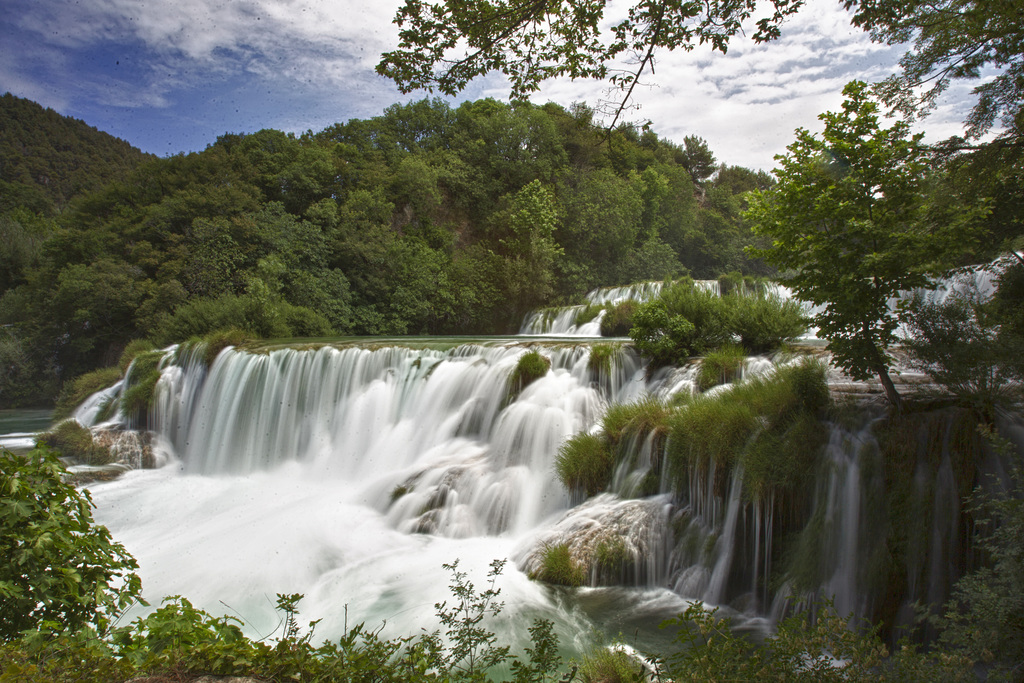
[[352, 475]]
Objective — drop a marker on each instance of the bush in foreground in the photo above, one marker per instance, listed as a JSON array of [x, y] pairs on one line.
[[59, 566]]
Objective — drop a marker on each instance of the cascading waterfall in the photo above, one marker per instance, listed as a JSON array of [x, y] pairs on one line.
[[352, 473], [561, 322]]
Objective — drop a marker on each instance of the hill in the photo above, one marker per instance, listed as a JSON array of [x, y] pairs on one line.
[[46, 159]]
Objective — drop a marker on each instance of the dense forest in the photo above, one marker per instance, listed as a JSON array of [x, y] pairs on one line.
[[424, 220]]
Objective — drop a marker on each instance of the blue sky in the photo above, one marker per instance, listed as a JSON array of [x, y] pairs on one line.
[[170, 77]]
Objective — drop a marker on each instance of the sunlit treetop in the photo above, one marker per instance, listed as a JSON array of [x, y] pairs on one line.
[[951, 39], [446, 44]]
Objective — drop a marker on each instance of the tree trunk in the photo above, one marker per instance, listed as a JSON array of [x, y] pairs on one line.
[[891, 394]]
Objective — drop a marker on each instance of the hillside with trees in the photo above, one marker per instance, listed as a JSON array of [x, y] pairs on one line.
[[427, 219]]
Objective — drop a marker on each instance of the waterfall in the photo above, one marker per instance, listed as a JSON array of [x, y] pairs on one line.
[[352, 472]]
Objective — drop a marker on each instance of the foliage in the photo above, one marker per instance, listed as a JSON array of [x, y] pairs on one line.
[[645, 416], [72, 440], [472, 649], [74, 393], [720, 366], [953, 39], [802, 649], [611, 665], [447, 44], [47, 159], [850, 229], [984, 618], [769, 425], [530, 367], [765, 323], [584, 463], [958, 343], [427, 219], [61, 569], [600, 360], [139, 386], [684, 321], [215, 342], [559, 568], [618, 319], [588, 313]]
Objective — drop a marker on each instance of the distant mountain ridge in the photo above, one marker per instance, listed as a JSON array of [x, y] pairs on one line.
[[46, 158]]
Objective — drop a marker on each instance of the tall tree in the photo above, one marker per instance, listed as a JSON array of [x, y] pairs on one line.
[[850, 228]]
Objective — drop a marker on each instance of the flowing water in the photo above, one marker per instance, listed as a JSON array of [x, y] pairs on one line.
[[352, 471], [353, 474]]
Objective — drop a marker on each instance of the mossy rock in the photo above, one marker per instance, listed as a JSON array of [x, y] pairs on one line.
[[72, 440], [559, 568], [531, 367], [584, 463]]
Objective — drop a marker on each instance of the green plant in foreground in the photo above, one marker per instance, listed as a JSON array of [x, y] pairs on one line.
[[802, 650], [59, 567], [611, 665]]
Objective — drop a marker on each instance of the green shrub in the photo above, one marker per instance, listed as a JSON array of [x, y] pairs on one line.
[[619, 319], [59, 566], [215, 342], [133, 349], [963, 346], [588, 313], [600, 360], [608, 665], [825, 649], [74, 393], [611, 555], [139, 386], [765, 323], [558, 567], [259, 317], [530, 367], [640, 417], [720, 366], [771, 425], [585, 463], [682, 322], [72, 440]]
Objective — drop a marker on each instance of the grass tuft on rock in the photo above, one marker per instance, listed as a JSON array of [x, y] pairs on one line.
[[720, 366], [585, 463], [140, 384], [558, 567], [531, 367], [619, 319], [72, 440]]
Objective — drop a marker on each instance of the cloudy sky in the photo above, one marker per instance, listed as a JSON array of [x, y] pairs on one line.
[[170, 77]]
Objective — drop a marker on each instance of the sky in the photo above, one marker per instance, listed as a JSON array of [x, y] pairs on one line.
[[170, 77]]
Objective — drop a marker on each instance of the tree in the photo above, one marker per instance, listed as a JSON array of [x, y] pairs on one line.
[[59, 566], [952, 39], [850, 228], [448, 43]]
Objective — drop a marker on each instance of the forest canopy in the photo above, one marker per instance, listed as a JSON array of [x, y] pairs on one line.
[[427, 219]]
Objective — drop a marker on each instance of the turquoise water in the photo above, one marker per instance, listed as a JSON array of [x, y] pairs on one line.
[[19, 427]]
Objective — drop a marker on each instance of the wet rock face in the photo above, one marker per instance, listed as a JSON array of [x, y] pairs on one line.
[[606, 541], [131, 448]]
